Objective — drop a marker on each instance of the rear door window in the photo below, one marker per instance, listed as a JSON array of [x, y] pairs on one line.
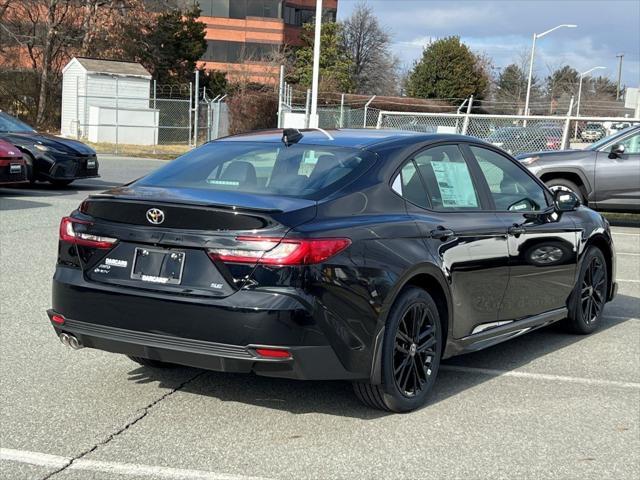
[[448, 179]]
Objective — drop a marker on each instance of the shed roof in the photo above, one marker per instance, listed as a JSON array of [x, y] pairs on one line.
[[111, 67]]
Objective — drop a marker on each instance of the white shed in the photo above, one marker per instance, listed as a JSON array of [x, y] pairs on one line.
[[107, 101]]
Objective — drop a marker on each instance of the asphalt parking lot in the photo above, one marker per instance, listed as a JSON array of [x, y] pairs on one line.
[[546, 405]]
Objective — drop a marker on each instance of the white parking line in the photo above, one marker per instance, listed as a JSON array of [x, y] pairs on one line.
[[626, 233], [115, 468], [540, 376], [628, 253], [627, 280]]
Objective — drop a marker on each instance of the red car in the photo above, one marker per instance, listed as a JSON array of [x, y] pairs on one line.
[[13, 168]]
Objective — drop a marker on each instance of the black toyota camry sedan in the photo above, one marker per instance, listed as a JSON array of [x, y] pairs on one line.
[[361, 255], [57, 160]]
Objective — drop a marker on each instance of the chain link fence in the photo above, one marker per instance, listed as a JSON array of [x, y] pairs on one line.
[[513, 133], [118, 118]]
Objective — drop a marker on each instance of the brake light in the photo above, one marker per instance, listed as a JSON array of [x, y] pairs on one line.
[[282, 252], [69, 235], [273, 353]]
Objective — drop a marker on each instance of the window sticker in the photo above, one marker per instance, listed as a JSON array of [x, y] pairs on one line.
[[454, 182]]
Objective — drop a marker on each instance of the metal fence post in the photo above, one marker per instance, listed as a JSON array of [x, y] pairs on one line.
[[366, 107], [280, 91], [78, 108], [189, 112], [196, 109], [117, 108], [307, 106], [567, 126], [342, 110], [218, 113], [465, 124]]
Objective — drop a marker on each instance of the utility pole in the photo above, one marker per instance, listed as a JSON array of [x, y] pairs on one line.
[[313, 119], [620, 56]]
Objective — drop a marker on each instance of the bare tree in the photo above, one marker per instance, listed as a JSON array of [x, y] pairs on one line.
[[375, 69]]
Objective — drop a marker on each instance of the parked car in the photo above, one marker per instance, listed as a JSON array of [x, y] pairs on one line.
[[49, 158], [12, 166], [593, 132], [391, 251], [514, 140], [604, 176]]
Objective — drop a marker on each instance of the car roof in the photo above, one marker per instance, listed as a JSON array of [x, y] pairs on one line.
[[346, 137]]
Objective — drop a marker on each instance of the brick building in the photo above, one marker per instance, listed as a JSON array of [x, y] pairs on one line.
[[243, 35]]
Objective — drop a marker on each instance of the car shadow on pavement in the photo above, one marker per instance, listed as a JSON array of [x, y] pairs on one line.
[[7, 204], [47, 189], [337, 398]]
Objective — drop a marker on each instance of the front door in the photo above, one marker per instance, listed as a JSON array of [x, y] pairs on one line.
[[617, 177], [542, 247], [468, 242]]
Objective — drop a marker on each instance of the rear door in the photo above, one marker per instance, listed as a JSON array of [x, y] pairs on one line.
[[468, 242], [617, 178], [542, 247]]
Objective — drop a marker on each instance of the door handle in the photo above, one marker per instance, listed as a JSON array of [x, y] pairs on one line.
[[441, 233], [516, 230]]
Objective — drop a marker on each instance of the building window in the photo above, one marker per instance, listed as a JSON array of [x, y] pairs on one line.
[[241, 8], [238, 52], [299, 16]]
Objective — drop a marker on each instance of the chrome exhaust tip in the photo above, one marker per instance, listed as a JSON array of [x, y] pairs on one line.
[[74, 343], [64, 339]]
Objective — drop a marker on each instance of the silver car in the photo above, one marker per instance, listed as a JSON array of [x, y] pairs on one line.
[[604, 176]]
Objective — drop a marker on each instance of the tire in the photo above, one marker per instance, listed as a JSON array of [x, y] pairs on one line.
[[563, 184], [31, 174], [587, 301], [61, 183], [147, 362], [405, 385]]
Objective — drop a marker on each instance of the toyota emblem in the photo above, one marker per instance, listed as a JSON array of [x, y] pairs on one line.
[[155, 216]]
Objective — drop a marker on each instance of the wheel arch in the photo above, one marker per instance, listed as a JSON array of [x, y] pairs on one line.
[[604, 244], [573, 175], [430, 278]]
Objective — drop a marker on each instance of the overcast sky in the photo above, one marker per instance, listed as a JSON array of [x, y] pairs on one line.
[[503, 30]]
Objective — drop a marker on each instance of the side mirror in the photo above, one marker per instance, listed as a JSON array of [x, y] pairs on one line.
[[565, 201], [616, 151]]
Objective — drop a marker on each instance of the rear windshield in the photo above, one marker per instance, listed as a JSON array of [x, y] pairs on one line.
[[262, 168]]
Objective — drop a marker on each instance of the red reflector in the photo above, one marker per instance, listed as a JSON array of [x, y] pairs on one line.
[[59, 319], [273, 353]]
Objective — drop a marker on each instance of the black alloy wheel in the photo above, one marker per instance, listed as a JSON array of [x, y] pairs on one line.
[[590, 293], [410, 354], [414, 350]]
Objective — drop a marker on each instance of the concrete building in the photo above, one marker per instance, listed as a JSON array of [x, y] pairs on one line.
[[243, 36]]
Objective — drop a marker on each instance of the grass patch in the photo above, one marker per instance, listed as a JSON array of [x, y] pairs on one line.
[[165, 152]]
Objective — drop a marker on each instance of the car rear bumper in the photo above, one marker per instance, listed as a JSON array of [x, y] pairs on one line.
[[9, 177], [204, 333]]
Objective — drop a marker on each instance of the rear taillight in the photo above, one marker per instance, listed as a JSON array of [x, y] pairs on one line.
[[69, 235], [275, 251]]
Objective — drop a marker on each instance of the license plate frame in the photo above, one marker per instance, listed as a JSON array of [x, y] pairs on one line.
[[91, 164], [15, 168], [155, 276]]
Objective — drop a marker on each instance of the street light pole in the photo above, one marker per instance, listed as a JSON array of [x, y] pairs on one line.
[[313, 117], [533, 51], [575, 134], [620, 56]]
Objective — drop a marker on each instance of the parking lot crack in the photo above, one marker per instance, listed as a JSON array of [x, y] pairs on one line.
[[140, 414]]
